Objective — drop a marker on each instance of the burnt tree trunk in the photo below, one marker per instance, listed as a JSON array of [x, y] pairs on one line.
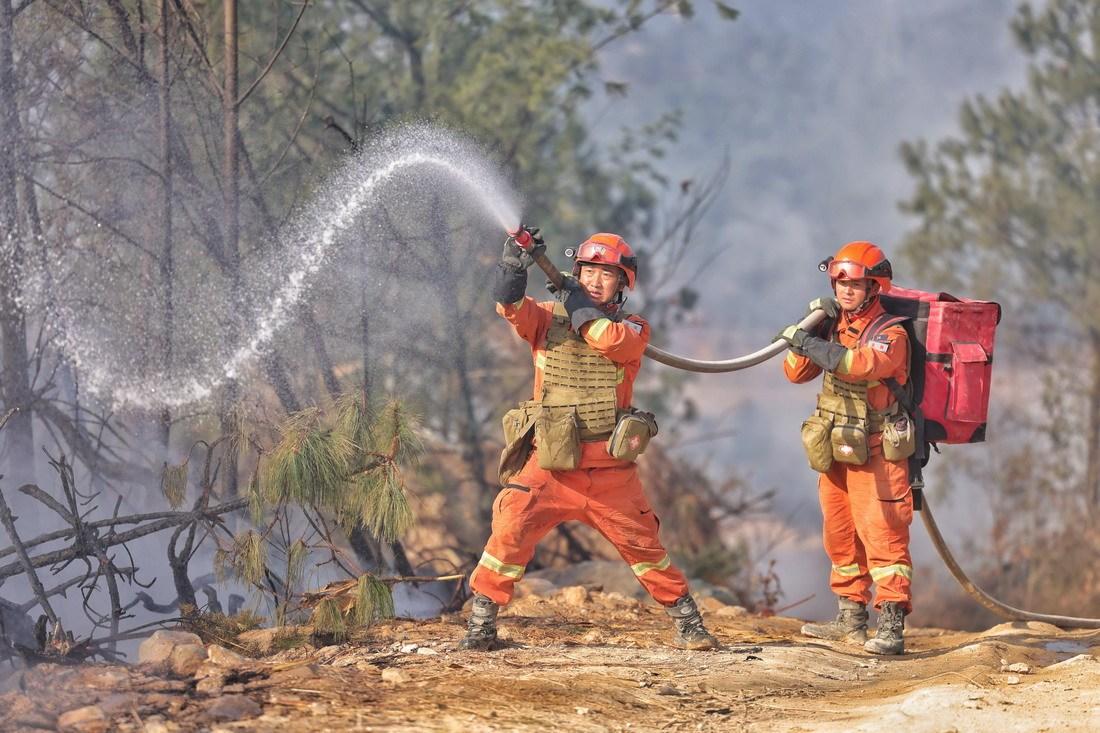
[[16, 388]]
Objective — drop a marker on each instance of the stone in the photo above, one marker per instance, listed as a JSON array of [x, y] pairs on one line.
[[211, 685], [186, 659], [158, 648], [395, 676], [426, 650], [232, 707], [575, 595], [1019, 668], [731, 612], [90, 719], [539, 587], [227, 658], [1012, 680]]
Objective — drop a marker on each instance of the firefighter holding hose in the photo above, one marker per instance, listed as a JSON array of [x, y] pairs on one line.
[[570, 451], [860, 439]]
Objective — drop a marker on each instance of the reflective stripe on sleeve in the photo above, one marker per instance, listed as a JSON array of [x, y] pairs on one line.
[[905, 571], [598, 327], [503, 568], [642, 568], [845, 365]]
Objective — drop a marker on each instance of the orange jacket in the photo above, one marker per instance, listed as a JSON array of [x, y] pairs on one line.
[[622, 342], [887, 355]]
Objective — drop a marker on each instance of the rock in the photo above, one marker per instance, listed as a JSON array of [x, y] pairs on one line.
[[232, 707], [186, 659], [583, 711], [227, 658], [264, 641], [426, 650], [396, 676], [90, 719], [1073, 662], [211, 685], [1018, 668], [106, 678], [1012, 680], [575, 595], [1023, 628], [158, 648], [156, 724], [593, 636], [120, 703], [408, 648]]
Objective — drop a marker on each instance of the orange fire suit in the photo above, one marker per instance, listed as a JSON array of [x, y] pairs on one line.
[[867, 509], [603, 492]]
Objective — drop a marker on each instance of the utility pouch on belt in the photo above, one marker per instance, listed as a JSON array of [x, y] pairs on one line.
[[518, 441], [847, 436], [557, 438], [631, 435], [849, 444], [815, 441], [899, 438]]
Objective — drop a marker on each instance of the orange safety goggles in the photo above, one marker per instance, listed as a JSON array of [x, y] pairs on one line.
[[848, 270], [600, 253]]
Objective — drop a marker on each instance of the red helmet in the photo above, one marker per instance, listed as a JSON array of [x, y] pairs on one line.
[[858, 261], [607, 249]]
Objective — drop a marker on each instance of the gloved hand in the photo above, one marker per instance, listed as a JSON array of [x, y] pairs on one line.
[[578, 305], [795, 338], [517, 256], [509, 283], [830, 305]]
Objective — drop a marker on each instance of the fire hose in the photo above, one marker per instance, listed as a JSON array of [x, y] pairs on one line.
[[998, 608]]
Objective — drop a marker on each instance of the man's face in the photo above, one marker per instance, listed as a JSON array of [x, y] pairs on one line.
[[851, 293], [600, 282]]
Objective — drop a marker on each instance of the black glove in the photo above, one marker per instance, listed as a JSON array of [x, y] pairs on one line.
[[509, 283], [578, 305], [830, 305], [832, 312], [826, 354], [795, 338], [516, 256]]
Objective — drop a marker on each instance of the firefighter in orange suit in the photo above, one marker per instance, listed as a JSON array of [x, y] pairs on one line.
[[570, 450], [860, 439]]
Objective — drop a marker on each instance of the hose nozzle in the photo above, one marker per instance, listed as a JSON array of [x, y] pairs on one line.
[[522, 237]]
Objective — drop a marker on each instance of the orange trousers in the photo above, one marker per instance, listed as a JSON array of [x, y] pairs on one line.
[[610, 500], [868, 510]]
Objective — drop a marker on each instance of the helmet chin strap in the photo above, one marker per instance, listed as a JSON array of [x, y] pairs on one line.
[[872, 296]]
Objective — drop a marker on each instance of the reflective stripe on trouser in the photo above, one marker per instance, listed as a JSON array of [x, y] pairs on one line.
[[867, 511], [610, 500]]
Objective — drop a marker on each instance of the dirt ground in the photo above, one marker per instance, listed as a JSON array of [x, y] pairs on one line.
[[590, 661]]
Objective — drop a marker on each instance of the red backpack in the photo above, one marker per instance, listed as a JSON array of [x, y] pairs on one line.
[[951, 361]]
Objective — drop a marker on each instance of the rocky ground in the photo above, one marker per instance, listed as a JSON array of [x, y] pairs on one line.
[[579, 660]]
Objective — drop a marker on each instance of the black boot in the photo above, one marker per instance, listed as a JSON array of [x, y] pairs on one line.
[[849, 625], [889, 639], [690, 632], [481, 631]]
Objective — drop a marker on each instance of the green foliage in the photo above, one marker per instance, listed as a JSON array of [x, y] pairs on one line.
[[249, 557], [346, 461], [328, 620], [373, 601]]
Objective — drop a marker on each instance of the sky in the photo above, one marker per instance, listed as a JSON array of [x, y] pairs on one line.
[[810, 100]]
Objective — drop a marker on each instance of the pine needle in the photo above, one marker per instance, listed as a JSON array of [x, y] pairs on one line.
[[173, 484], [328, 620], [385, 511], [373, 601], [296, 557], [250, 557]]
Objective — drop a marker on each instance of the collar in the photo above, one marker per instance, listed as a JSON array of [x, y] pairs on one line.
[[856, 323]]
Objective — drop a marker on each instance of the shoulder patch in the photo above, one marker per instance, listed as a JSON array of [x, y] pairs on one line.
[[634, 325]]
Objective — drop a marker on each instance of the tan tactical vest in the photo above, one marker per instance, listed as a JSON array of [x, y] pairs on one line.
[[574, 375]]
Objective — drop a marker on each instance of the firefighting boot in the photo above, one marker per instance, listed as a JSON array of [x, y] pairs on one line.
[[481, 631], [888, 639], [690, 632], [850, 624]]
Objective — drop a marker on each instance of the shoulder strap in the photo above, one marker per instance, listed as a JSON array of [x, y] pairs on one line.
[[882, 322]]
